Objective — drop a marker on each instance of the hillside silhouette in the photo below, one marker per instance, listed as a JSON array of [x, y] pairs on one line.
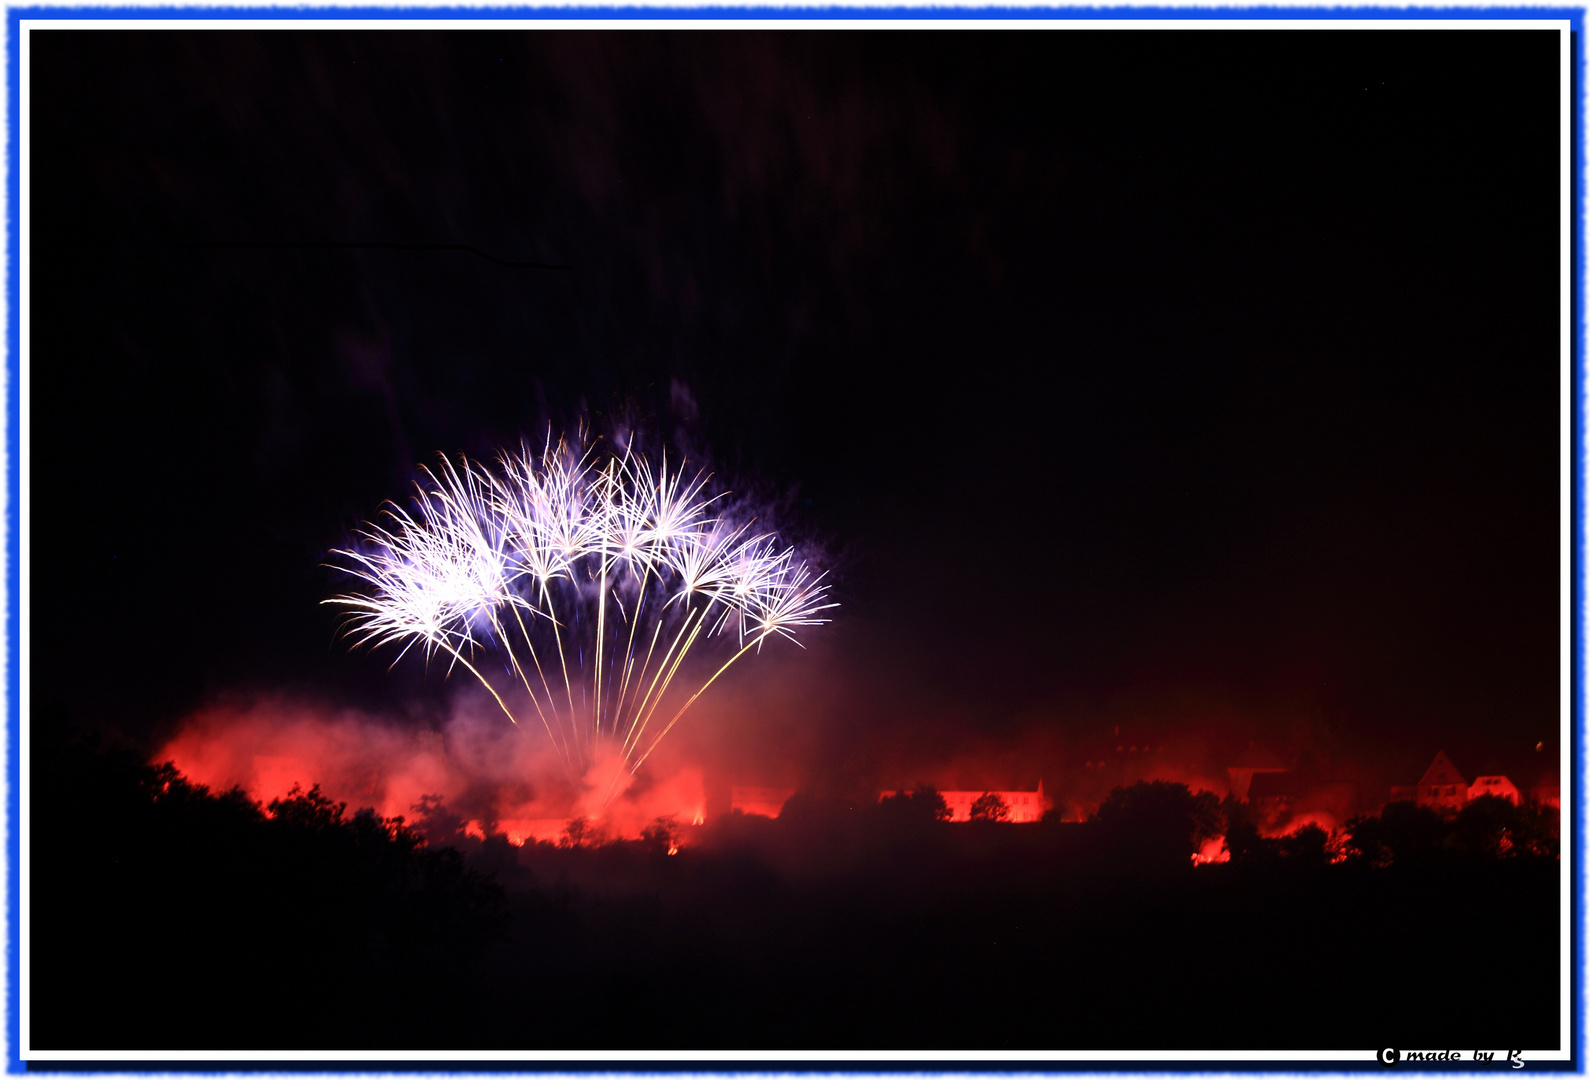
[[165, 915], [169, 916]]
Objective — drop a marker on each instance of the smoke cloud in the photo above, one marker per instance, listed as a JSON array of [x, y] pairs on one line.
[[483, 770], [844, 716]]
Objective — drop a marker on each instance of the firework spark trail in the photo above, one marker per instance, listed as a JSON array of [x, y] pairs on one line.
[[662, 667], [666, 680], [556, 741], [572, 545], [629, 650], [641, 679]]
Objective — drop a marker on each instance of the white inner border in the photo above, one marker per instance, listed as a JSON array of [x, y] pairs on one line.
[[1566, 390]]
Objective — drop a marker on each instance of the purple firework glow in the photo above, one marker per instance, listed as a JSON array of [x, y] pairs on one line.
[[584, 578]]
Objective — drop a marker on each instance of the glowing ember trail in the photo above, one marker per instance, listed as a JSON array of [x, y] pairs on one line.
[[1213, 850], [578, 581]]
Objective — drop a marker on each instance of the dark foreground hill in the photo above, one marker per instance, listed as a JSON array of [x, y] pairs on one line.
[[165, 916]]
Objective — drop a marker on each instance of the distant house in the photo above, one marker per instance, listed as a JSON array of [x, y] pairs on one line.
[[1547, 791], [764, 801], [1499, 786], [1442, 787], [1254, 761], [1273, 793], [1023, 805]]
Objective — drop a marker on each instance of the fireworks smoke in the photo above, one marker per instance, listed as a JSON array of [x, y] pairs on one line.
[[575, 584]]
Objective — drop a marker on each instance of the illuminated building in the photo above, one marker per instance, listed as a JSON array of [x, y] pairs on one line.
[[1022, 805], [1272, 793], [1499, 786], [1254, 761], [763, 801], [1443, 788]]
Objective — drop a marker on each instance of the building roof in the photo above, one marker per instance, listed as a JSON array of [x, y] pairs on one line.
[[1276, 785], [1257, 758], [1442, 771]]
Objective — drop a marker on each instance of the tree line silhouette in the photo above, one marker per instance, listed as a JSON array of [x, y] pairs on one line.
[[165, 915]]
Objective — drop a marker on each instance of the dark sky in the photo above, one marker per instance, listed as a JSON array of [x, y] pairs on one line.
[[1118, 370]]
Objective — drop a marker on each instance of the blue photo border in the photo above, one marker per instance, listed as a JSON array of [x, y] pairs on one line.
[[1575, 17]]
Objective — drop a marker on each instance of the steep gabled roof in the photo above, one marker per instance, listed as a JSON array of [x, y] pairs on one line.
[[1277, 785], [1442, 771], [1257, 758]]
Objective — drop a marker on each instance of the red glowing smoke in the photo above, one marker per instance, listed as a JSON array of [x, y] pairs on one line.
[[498, 777]]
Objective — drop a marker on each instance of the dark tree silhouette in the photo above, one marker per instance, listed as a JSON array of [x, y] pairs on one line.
[[1486, 827], [1535, 832], [579, 832], [1362, 841], [174, 916], [1491, 827], [1242, 833], [1158, 823], [206, 920], [307, 810], [1408, 833], [921, 805], [661, 835], [439, 825], [1305, 846], [990, 806]]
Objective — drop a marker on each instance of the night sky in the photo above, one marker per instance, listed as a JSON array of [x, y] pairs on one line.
[[1188, 380]]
